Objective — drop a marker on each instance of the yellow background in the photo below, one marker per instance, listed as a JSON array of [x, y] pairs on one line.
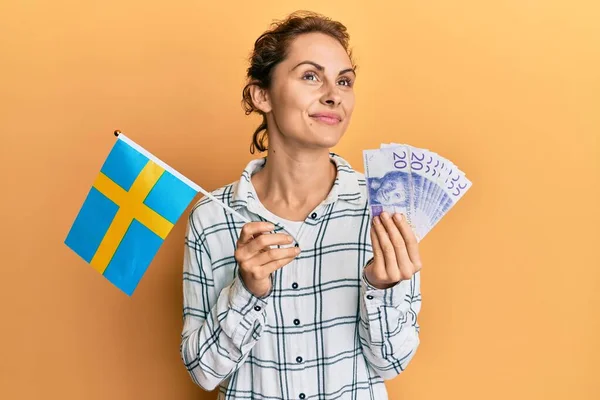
[[508, 90]]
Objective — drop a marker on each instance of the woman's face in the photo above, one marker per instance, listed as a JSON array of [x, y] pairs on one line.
[[311, 98]]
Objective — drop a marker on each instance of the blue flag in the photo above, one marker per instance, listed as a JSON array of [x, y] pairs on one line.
[[130, 209]]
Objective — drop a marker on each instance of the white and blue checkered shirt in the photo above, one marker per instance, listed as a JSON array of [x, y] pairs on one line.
[[322, 332]]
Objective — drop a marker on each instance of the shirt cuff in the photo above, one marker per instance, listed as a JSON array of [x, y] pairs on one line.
[[250, 313], [243, 300], [392, 297]]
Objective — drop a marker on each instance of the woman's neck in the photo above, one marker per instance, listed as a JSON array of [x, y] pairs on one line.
[[291, 185]]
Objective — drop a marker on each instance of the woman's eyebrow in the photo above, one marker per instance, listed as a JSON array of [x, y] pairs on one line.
[[322, 68]]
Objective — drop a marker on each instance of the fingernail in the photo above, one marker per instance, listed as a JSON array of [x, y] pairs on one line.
[[398, 217], [376, 220], [384, 216]]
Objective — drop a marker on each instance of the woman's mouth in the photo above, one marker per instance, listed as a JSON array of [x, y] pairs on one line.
[[329, 119]]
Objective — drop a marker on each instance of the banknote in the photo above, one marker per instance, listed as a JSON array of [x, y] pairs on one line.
[[417, 182]]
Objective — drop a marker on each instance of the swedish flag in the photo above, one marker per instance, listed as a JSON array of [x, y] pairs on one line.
[[127, 214]]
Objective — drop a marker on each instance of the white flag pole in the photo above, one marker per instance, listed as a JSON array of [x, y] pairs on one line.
[[225, 206]]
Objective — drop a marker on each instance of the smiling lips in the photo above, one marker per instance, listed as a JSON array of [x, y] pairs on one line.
[[327, 118]]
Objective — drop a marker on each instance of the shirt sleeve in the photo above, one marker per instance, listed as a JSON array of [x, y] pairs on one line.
[[388, 328], [219, 328]]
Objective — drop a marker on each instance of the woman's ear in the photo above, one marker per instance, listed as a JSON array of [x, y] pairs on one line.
[[260, 98]]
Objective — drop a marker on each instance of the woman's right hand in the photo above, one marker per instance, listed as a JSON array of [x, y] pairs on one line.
[[257, 260]]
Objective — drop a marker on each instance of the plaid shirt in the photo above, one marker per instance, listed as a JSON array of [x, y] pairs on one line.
[[322, 332]]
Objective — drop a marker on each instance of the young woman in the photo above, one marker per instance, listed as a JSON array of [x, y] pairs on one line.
[[314, 300]]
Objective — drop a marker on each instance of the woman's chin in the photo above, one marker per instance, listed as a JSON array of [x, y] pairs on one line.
[[314, 139], [327, 139]]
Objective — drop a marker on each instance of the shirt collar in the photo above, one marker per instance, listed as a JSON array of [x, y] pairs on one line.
[[346, 186]]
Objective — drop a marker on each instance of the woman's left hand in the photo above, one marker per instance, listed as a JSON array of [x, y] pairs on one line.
[[395, 251]]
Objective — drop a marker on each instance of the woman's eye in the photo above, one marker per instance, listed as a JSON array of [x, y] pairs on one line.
[[308, 75]]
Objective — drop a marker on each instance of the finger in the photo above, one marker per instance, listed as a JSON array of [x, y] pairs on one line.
[[389, 254], [263, 243], [252, 229], [276, 264], [271, 255], [412, 244], [378, 263], [404, 264]]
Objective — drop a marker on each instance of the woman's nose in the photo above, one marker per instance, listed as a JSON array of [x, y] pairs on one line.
[[331, 97]]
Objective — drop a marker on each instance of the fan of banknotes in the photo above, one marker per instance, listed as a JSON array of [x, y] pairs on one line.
[[416, 182]]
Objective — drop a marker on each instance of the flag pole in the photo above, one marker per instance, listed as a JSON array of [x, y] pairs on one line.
[[210, 196]]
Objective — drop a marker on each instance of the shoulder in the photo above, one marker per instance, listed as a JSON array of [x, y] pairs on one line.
[[351, 183], [360, 177], [206, 213], [361, 181]]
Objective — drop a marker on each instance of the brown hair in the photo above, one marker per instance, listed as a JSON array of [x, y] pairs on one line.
[[271, 48]]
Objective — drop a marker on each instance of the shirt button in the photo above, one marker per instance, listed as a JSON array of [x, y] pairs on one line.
[[313, 215], [296, 322], [369, 297], [257, 308], [302, 395], [294, 285], [299, 359]]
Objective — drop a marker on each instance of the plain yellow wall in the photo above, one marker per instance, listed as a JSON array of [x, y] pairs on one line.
[[508, 90]]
